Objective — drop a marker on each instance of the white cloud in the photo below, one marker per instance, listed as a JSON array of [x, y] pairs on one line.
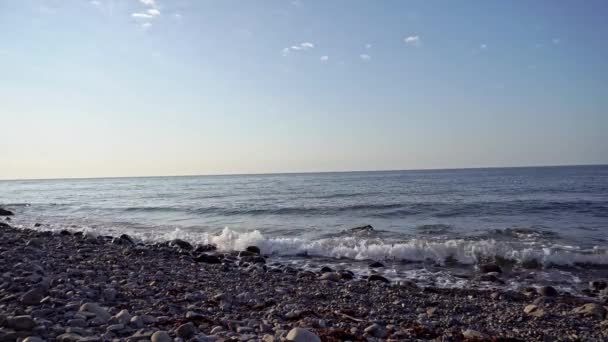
[[483, 46], [146, 25], [556, 41], [412, 40], [148, 2], [324, 58], [368, 46], [301, 46], [95, 3], [297, 3], [177, 16], [365, 57], [142, 15], [153, 12]]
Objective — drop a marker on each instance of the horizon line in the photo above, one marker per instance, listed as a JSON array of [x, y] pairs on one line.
[[306, 172]]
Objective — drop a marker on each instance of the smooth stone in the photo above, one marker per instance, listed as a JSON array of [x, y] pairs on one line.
[[21, 322], [115, 327], [5, 212], [534, 310], [331, 276], [33, 339], [32, 297], [208, 259], [181, 244], [95, 309], [253, 249], [326, 269], [490, 268], [377, 277], [161, 336], [185, 330], [302, 335], [376, 264], [376, 330], [471, 334], [547, 291], [591, 309], [69, 337], [77, 323], [123, 316], [109, 294]]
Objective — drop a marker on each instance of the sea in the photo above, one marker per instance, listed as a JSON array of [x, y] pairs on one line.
[[543, 225]]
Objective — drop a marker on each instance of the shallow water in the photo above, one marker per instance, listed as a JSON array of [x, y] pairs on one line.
[[433, 226]]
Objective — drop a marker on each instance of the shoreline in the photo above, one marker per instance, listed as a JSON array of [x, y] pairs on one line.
[[76, 287]]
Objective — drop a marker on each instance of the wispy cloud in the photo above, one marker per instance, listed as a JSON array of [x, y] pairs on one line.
[[412, 40], [300, 47], [324, 58], [95, 3], [365, 57], [368, 46], [556, 41], [148, 2], [150, 13], [142, 15], [153, 12], [483, 46]]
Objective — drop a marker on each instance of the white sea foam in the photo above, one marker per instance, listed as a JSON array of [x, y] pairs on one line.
[[461, 250], [357, 248]]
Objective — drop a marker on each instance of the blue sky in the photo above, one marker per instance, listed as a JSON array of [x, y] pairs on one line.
[[159, 87]]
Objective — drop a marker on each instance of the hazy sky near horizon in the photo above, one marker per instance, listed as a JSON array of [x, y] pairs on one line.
[[174, 87]]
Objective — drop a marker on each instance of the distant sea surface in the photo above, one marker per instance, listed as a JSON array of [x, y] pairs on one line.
[[546, 224]]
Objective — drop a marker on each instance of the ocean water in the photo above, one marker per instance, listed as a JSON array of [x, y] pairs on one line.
[[543, 224]]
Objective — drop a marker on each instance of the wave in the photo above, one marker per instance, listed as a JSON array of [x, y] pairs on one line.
[[396, 210], [468, 252]]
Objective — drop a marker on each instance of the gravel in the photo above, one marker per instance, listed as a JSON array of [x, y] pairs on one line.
[[79, 287]]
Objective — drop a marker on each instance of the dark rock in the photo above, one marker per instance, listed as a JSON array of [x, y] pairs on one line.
[[4, 225], [598, 285], [37, 224], [326, 269], [204, 248], [21, 323], [181, 244], [208, 259], [126, 238], [185, 330], [491, 277], [246, 254], [531, 264], [4, 212], [253, 249], [547, 291], [377, 277], [346, 275], [32, 297], [376, 264], [65, 232], [362, 230], [489, 268]]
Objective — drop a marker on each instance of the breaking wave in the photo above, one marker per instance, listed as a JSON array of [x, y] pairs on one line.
[[415, 250]]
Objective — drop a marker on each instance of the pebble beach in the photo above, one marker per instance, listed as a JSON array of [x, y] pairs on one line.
[[74, 286]]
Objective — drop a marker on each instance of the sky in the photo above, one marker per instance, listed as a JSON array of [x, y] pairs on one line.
[[184, 87]]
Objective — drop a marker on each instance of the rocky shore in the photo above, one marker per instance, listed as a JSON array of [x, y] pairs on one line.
[[69, 286]]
